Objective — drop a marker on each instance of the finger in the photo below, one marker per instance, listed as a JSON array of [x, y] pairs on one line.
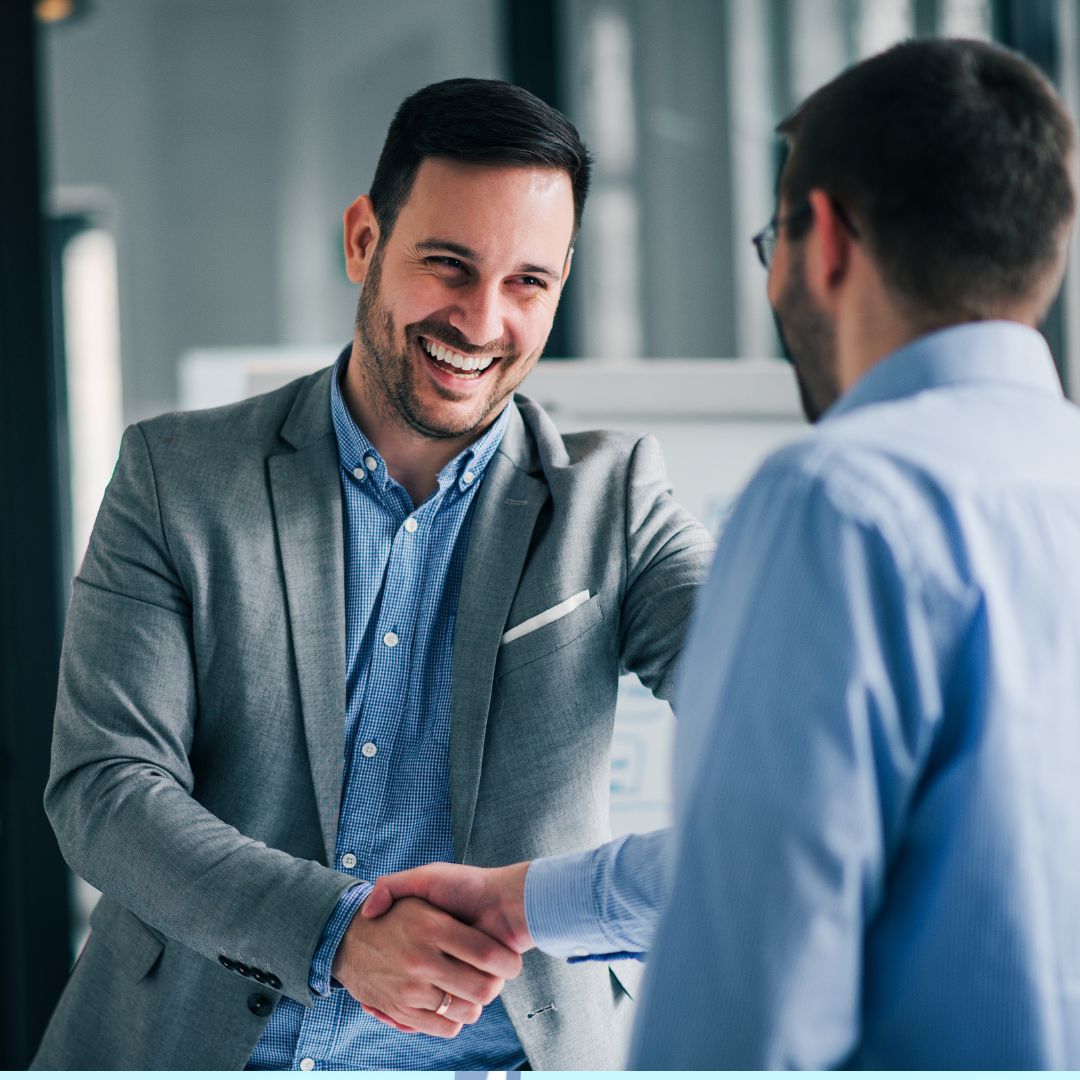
[[380, 1015], [463, 1012], [430, 1024], [463, 982], [476, 949], [379, 901], [414, 1020], [419, 881]]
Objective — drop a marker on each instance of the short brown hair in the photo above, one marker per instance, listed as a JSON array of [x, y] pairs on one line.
[[953, 157], [481, 122]]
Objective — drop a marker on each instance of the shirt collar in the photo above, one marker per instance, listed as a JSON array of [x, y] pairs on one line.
[[357, 452], [980, 352]]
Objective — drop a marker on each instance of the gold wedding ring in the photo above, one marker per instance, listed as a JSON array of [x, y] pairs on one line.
[[446, 1002]]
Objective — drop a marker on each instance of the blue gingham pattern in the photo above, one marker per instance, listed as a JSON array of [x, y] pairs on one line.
[[401, 595]]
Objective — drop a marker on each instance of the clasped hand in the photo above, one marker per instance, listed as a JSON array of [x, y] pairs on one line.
[[438, 930], [401, 965]]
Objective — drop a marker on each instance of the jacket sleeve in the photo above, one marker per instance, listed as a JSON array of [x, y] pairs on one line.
[[668, 554], [120, 791]]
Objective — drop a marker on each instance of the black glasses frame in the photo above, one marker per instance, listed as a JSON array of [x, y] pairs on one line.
[[765, 241]]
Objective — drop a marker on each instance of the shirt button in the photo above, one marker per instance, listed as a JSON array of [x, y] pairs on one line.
[[579, 950], [411, 525], [307, 1064], [359, 473], [369, 749], [390, 639], [467, 478], [371, 463], [348, 860]]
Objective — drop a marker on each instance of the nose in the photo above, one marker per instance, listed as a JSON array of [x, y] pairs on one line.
[[479, 315]]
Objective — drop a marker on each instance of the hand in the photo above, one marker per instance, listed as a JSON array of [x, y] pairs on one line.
[[400, 965], [490, 900]]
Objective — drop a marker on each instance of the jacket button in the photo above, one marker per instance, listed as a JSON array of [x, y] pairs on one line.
[[226, 963], [274, 981], [242, 969], [258, 976], [260, 1005]]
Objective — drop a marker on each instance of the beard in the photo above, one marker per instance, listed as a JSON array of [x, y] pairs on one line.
[[808, 340], [389, 371]]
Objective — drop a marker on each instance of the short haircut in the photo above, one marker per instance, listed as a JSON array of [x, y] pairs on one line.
[[953, 158], [479, 122]]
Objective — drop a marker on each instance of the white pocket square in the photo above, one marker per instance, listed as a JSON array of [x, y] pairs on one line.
[[545, 617]]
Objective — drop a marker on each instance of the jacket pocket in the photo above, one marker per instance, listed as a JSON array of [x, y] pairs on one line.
[[549, 638]]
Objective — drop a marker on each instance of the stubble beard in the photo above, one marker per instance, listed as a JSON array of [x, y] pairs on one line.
[[388, 373], [808, 339]]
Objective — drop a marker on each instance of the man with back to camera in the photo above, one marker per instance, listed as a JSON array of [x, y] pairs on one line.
[[369, 620], [874, 856]]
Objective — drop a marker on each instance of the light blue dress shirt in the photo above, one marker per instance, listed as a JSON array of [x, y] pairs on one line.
[[601, 904], [877, 818], [403, 570]]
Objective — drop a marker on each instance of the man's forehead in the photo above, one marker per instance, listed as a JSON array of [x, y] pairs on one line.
[[466, 203]]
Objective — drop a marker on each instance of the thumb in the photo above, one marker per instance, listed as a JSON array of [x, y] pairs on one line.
[[379, 902]]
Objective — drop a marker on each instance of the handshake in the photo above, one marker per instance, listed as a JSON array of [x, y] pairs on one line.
[[431, 947]]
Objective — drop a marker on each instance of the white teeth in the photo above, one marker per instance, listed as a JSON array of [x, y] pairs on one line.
[[462, 363]]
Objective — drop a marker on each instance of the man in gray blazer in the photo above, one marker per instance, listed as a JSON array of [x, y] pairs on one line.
[[370, 620]]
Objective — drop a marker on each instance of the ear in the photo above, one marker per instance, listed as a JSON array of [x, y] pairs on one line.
[[828, 249], [361, 238]]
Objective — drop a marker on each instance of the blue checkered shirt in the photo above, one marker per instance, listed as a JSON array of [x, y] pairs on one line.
[[403, 569]]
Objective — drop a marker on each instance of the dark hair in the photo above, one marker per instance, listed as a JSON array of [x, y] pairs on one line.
[[953, 158], [482, 122]]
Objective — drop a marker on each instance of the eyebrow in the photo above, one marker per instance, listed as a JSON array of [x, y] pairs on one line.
[[438, 244]]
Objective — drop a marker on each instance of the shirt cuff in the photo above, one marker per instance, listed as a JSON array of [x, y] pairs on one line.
[[561, 910], [321, 963]]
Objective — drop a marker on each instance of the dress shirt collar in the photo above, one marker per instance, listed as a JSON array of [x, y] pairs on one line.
[[979, 352], [358, 454]]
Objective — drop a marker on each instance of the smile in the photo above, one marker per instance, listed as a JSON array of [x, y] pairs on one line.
[[463, 367]]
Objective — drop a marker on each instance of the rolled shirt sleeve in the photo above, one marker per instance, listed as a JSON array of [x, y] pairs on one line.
[[323, 960]]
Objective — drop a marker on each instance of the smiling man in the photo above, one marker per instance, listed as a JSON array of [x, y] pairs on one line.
[[368, 621], [456, 306]]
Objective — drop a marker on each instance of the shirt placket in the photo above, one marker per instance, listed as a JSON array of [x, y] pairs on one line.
[[386, 694], [384, 697]]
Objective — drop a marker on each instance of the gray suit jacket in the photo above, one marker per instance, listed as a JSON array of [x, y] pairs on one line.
[[198, 747]]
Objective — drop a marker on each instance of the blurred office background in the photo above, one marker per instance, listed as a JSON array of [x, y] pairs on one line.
[[176, 172]]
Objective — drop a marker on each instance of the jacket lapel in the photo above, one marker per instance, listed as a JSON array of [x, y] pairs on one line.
[[505, 513], [306, 494]]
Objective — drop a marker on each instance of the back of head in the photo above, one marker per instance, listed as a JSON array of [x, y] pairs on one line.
[[479, 122], [955, 159]]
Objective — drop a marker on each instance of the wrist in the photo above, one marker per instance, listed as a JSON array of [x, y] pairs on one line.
[[328, 955], [513, 908]]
